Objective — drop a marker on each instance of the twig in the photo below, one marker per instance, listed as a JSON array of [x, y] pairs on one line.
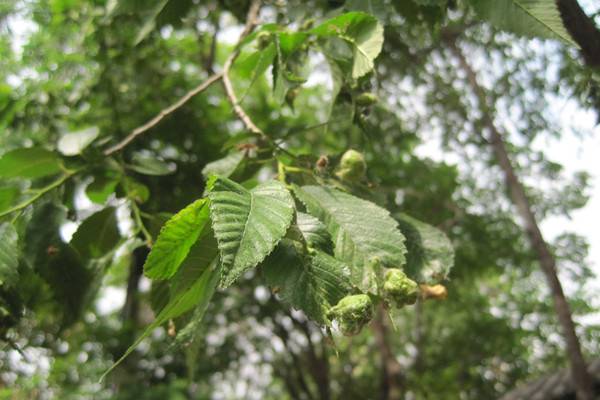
[[39, 193], [251, 21], [163, 113]]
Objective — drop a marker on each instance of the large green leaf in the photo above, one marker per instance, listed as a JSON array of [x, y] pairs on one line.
[[362, 31], [248, 224], [362, 232], [430, 253], [97, 235], [29, 163], [524, 17], [197, 294], [312, 283], [9, 254], [8, 197], [175, 240]]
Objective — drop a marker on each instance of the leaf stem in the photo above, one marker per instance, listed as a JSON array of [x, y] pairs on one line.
[[39, 193], [138, 220]]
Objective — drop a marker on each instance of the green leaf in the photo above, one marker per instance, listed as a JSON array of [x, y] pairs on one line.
[[8, 195], [198, 293], [101, 188], [248, 224], [149, 17], [97, 235], [362, 232], [314, 232], [430, 253], [175, 240], [374, 7], [9, 254], [73, 143], [362, 31], [150, 165], [524, 17], [225, 166], [29, 163], [312, 284]]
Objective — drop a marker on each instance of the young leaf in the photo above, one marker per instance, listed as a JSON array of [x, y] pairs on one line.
[[73, 143], [150, 165], [175, 240], [9, 254], [198, 293], [101, 188], [97, 234], [248, 224], [362, 31], [225, 166], [430, 253], [524, 17], [312, 284], [29, 163], [362, 231]]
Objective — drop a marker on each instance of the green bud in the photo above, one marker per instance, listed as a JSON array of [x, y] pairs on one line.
[[399, 288], [352, 313], [263, 39], [352, 166], [366, 99]]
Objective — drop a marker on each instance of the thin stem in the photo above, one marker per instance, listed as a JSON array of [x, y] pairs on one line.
[[251, 21], [39, 193], [138, 220]]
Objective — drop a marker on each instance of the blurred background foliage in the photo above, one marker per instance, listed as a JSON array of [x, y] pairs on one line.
[[113, 65]]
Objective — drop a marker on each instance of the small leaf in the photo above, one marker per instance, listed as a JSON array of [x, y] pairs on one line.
[[101, 188], [225, 166], [312, 284], [73, 143], [524, 17], [198, 293], [362, 31], [430, 253], [29, 163], [314, 232], [175, 240], [97, 235], [248, 224], [9, 254], [150, 165], [362, 232]]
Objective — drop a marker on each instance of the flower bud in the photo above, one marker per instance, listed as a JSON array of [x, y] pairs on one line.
[[352, 166], [352, 313], [365, 99], [399, 288]]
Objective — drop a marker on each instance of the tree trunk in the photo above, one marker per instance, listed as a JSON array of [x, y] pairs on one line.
[[392, 378], [579, 373], [582, 29]]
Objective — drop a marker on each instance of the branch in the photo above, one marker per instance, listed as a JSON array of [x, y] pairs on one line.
[[582, 30], [251, 21], [169, 110]]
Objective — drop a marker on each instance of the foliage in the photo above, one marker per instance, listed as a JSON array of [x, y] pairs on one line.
[[268, 218]]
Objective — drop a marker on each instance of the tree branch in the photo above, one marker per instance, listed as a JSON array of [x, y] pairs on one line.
[[159, 117], [582, 30], [251, 21], [579, 374]]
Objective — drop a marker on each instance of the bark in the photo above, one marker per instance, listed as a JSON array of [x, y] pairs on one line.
[[392, 380], [582, 29], [136, 268], [579, 373]]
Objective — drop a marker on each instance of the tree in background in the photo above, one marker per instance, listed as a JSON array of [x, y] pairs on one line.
[[245, 160]]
